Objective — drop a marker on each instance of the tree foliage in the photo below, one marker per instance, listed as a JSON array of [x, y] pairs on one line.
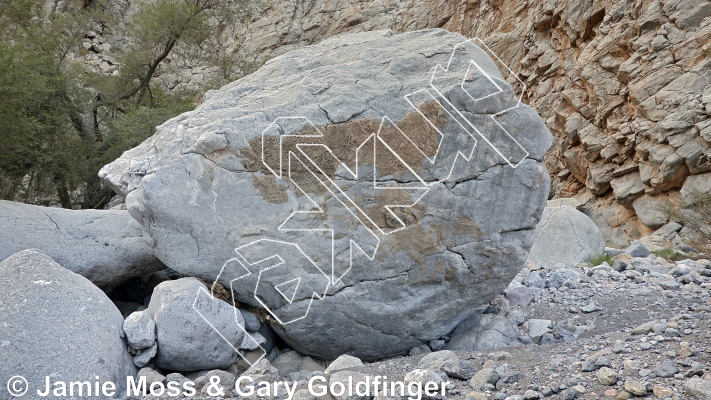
[[61, 121]]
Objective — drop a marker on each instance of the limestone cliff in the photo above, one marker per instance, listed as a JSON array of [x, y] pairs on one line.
[[623, 85]]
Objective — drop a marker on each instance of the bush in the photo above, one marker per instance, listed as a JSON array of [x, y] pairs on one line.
[[669, 255], [61, 122], [598, 259]]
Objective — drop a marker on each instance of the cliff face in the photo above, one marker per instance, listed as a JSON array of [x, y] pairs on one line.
[[623, 85]]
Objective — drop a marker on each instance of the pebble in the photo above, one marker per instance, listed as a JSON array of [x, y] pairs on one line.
[[661, 391], [606, 376], [588, 366], [568, 394], [602, 362], [699, 388], [686, 352], [590, 307], [666, 369], [635, 388], [484, 376], [343, 362], [671, 284], [475, 396]]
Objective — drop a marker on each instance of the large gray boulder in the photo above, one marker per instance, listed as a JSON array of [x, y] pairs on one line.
[[222, 190], [194, 330], [106, 247], [56, 323], [567, 236]]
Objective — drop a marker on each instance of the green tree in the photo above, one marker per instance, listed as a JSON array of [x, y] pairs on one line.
[[62, 122], [39, 117]]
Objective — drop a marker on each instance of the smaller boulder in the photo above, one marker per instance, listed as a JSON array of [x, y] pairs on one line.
[[637, 249], [251, 321], [54, 322], [194, 330], [140, 330], [105, 246], [565, 235], [343, 362]]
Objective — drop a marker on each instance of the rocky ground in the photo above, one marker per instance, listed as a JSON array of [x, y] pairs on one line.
[[638, 328]]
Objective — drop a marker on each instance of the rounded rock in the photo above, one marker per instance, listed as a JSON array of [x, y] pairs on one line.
[[606, 376], [215, 184], [140, 330], [343, 362], [57, 323], [192, 326]]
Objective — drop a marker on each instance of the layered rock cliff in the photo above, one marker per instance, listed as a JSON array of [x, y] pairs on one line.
[[623, 85]]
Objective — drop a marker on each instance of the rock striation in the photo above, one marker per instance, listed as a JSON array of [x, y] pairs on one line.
[[623, 85]]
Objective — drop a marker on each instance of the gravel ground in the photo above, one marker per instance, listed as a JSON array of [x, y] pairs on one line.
[[641, 332], [639, 328]]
